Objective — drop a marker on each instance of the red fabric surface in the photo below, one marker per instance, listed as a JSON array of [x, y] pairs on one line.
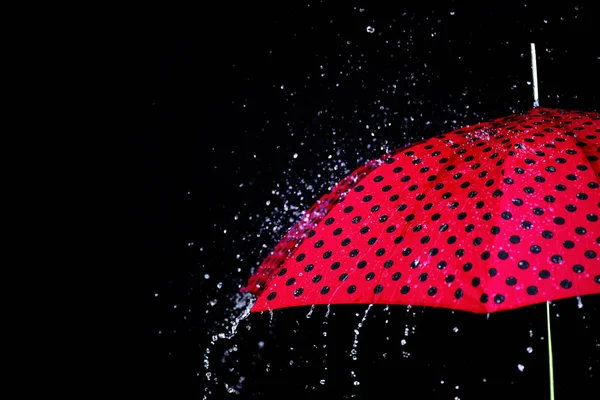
[[491, 217]]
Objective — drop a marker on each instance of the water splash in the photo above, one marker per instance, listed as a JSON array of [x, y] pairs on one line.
[[354, 350], [243, 305]]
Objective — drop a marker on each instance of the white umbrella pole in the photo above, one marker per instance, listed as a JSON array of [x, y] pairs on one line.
[[536, 98], [550, 351], [536, 103]]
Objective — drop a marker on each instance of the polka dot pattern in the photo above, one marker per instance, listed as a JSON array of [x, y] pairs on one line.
[[491, 217]]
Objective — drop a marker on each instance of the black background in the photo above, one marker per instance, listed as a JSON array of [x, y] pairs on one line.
[[218, 135]]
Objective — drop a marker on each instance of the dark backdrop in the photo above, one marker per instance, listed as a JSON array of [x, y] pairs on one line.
[[233, 92]]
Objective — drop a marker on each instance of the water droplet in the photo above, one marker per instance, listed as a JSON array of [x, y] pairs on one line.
[[521, 367], [370, 29], [529, 350]]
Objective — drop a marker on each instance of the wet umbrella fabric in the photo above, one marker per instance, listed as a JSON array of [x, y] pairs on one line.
[[491, 217]]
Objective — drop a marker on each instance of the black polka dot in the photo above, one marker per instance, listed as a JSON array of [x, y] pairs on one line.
[[329, 221], [338, 231], [450, 278], [560, 188], [290, 281], [346, 242], [580, 230], [361, 264], [477, 241], [348, 209], [300, 257], [566, 284], [458, 293], [495, 230], [475, 281], [309, 267], [370, 276], [592, 217], [544, 274], [559, 220], [498, 299], [506, 215], [538, 211], [396, 276], [319, 244], [398, 239], [570, 208], [433, 251], [372, 241], [483, 298], [556, 259], [432, 291], [405, 289], [325, 290], [343, 277], [547, 234], [591, 254], [360, 188], [493, 272], [354, 253], [532, 290], [298, 292], [523, 264], [390, 229], [375, 208], [272, 295], [578, 268], [485, 255], [517, 202], [467, 266], [356, 219], [451, 239], [503, 255], [317, 278], [367, 198], [327, 254], [442, 264], [549, 199], [351, 289], [582, 196], [535, 249], [406, 251], [529, 190], [597, 279], [378, 289], [459, 253], [423, 277], [425, 239]]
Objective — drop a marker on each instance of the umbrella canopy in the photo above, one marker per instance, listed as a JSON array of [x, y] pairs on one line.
[[491, 217]]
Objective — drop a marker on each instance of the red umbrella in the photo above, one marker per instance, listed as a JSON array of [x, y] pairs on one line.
[[491, 217]]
